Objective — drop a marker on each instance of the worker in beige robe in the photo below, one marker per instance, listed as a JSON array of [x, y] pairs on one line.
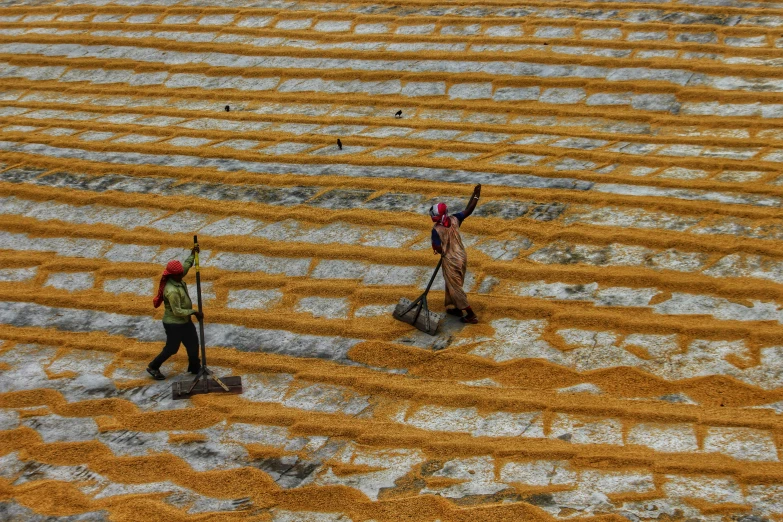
[[447, 242]]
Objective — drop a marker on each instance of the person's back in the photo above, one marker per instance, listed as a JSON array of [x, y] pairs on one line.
[[176, 302], [450, 237]]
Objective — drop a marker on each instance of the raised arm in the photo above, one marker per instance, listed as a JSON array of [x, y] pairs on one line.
[[473, 201], [189, 261]]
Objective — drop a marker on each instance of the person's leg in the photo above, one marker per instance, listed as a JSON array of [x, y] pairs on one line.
[[173, 339], [454, 276], [190, 340], [451, 305], [448, 300], [470, 316], [461, 299]]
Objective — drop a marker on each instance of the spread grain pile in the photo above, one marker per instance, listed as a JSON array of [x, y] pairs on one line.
[[625, 259]]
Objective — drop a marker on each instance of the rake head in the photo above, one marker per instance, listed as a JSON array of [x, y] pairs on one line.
[[417, 315], [180, 389]]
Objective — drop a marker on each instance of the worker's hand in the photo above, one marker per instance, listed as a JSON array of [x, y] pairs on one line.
[[194, 250], [437, 250], [477, 190], [199, 315]]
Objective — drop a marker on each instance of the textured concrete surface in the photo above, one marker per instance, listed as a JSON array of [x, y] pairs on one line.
[[624, 259]]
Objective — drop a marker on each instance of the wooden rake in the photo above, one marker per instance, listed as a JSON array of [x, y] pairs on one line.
[[417, 313]]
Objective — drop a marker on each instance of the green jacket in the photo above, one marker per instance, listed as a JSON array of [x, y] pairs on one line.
[[176, 299]]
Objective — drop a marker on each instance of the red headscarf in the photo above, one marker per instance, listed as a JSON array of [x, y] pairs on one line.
[[439, 213], [172, 268]]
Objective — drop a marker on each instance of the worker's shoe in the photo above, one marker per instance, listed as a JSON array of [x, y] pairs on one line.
[[155, 374], [194, 368], [470, 319], [454, 311]]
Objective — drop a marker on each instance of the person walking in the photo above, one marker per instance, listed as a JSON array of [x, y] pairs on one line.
[[179, 327], [447, 242]]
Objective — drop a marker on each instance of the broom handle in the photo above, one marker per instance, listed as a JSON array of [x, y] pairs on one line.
[[423, 297], [198, 294], [433, 275]]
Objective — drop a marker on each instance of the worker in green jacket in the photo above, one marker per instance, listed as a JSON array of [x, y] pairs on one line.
[[173, 292]]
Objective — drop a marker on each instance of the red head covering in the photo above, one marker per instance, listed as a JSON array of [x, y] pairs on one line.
[[172, 268], [439, 213]]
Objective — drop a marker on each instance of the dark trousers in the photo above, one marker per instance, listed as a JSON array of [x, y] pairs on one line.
[[176, 334]]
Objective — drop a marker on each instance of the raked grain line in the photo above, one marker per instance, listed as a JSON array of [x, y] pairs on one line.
[[526, 273], [736, 378], [385, 387], [567, 128], [268, 415], [140, 276], [417, 117], [125, 416], [658, 119], [656, 53], [522, 388], [274, 189], [31, 224], [388, 392], [78, 208], [702, 326], [459, 12], [282, 411], [413, 194], [270, 47], [15, 112], [87, 221], [692, 238], [694, 56], [286, 314], [753, 193], [653, 125], [744, 148], [184, 142], [596, 153], [499, 159], [438, 67]]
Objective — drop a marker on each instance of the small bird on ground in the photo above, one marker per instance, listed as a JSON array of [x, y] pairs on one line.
[[228, 108], [339, 144], [398, 114]]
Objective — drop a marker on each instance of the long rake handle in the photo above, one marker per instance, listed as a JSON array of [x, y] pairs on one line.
[[422, 299], [204, 370], [202, 346], [440, 262], [198, 295]]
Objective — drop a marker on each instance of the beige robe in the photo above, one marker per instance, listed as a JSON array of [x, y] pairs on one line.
[[455, 263]]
